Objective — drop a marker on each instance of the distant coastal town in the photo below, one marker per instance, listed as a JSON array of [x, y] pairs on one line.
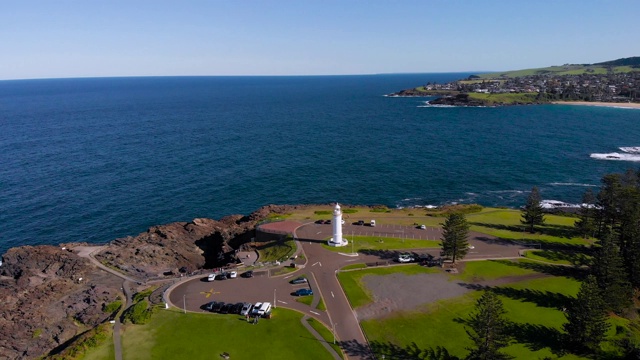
[[616, 81]]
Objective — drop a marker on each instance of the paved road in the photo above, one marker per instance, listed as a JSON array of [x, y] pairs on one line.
[[320, 269]]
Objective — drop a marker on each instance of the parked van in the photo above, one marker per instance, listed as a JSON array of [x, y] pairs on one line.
[[373, 223], [264, 308]]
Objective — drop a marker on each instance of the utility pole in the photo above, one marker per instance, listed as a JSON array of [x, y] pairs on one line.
[[184, 303], [333, 327], [274, 299]]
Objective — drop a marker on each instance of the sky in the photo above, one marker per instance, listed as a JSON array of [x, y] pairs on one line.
[[92, 38]]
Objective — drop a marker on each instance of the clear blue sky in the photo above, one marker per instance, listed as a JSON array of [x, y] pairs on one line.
[[63, 38]]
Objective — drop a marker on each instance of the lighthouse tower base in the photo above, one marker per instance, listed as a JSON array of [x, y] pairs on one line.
[[343, 242]]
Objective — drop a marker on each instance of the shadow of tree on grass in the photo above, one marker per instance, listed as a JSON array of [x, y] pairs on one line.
[[555, 270], [540, 298]]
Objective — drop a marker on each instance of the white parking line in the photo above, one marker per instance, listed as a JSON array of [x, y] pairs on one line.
[[316, 263], [288, 276], [280, 301], [332, 295], [313, 312]]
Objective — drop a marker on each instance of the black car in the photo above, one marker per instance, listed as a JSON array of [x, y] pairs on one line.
[[226, 308], [360, 222], [209, 306], [320, 221], [236, 308], [217, 306], [299, 280], [248, 274]]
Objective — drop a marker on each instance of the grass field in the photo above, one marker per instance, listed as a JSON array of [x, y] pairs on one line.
[[174, 335], [505, 224], [533, 306], [383, 243]]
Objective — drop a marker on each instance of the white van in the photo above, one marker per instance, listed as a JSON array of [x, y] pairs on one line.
[[373, 223], [264, 308]]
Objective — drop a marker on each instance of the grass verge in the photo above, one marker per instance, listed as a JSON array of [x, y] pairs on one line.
[[383, 243], [326, 334]]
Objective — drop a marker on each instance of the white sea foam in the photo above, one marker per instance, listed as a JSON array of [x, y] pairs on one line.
[[616, 156], [571, 184], [630, 149], [557, 204]]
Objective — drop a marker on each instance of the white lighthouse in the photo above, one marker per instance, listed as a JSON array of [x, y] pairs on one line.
[[337, 239]]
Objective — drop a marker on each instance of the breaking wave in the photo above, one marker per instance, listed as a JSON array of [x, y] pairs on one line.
[[571, 184], [630, 149], [616, 156]]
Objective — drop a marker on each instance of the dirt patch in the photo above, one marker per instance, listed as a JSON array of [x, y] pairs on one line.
[[400, 292], [406, 292]]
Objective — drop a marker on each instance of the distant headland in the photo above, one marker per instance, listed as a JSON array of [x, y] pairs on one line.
[[615, 82]]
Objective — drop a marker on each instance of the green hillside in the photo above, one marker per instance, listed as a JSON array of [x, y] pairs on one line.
[[617, 66]]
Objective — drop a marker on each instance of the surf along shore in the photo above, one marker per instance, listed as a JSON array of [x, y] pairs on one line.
[[605, 104]]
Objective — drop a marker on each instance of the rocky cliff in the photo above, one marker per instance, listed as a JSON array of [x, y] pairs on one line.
[[49, 294], [184, 247]]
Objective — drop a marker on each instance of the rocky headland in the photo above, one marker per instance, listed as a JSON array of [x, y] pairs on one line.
[[51, 294]]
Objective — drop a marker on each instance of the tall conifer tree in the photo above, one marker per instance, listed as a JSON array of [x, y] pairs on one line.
[[488, 329], [532, 213], [609, 271], [587, 318], [455, 231]]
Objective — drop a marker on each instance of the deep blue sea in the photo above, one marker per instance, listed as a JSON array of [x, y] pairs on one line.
[[97, 159]]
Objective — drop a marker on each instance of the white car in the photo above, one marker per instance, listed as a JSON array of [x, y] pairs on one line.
[[422, 227], [232, 274], [211, 277], [405, 258]]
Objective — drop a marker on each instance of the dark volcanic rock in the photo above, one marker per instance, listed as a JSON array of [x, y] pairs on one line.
[[201, 243], [46, 293], [458, 100]]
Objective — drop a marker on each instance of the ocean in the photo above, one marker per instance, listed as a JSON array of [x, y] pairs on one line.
[[101, 158]]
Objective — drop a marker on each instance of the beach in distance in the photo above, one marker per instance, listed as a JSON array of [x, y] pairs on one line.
[[597, 103]]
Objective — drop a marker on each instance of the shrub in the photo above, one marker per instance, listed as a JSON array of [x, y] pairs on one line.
[[379, 209], [350, 211], [140, 313], [112, 307], [142, 295]]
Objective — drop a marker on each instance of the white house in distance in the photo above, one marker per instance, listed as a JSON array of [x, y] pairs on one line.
[[337, 239]]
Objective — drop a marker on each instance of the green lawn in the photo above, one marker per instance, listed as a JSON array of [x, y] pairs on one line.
[[505, 224], [491, 269], [528, 305], [559, 257], [383, 243], [174, 335]]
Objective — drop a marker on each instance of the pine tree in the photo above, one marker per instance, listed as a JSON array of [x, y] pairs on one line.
[[455, 231], [611, 276], [587, 317], [532, 213], [586, 224], [488, 329]]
